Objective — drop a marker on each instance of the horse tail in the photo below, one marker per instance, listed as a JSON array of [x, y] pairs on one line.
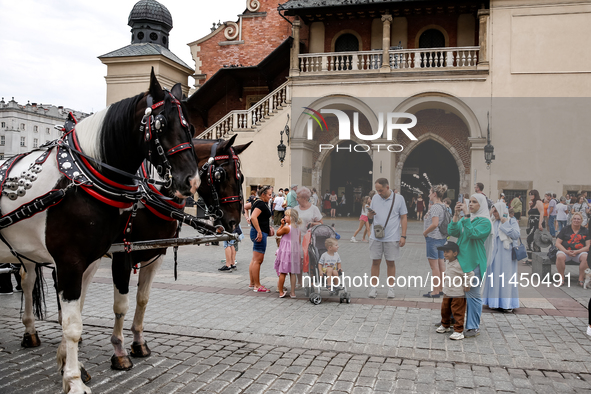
[[39, 307]]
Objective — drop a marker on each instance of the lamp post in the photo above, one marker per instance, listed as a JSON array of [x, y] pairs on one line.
[[281, 148], [489, 150]]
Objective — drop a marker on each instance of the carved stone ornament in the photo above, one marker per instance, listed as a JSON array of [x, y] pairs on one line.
[[253, 5], [231, 31]]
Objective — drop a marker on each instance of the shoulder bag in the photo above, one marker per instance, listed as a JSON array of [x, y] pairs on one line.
[[378, 229]]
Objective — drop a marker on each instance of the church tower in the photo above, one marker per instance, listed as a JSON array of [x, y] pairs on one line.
[[128, 68]]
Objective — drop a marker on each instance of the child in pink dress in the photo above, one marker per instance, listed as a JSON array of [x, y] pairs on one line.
[[288, 258]]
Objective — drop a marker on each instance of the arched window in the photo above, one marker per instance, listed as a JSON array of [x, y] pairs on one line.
[[432, 38], [345, 43]]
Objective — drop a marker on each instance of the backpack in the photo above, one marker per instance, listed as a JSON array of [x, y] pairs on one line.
[[445, 222]]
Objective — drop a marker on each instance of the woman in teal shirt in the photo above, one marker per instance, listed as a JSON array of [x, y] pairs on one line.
[[473, 233]]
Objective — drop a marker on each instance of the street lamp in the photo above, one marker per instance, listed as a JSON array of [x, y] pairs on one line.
[[489, 150], [281, 148]]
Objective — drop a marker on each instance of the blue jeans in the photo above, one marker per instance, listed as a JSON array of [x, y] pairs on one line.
[[561, 224], [474, 304], [432, 245], [551, 220]]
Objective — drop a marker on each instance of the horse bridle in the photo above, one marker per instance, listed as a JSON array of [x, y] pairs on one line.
[[216, 174], [158, 123]]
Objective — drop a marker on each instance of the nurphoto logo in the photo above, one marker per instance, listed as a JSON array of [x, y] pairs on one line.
[[345, 129]]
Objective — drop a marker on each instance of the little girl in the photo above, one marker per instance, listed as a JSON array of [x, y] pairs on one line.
[[288, 255], [363, 222]]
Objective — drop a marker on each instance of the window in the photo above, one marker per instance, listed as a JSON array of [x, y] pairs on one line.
[[23, 126], [35, 143], [346, 43], [35, 129], [47, 130], [1, 156], [2, 140], [3, 124], [432, 38], [511, 194], [23, 141]]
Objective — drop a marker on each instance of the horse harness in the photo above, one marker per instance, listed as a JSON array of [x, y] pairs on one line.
[[75, 165], [216, 175]]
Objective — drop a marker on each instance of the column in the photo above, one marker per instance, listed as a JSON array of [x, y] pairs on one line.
[[295, 49], [387, 21], [483, 17]]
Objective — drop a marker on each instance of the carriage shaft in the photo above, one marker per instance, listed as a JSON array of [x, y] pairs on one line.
[[166, 243]]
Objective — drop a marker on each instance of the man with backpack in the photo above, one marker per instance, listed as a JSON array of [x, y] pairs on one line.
[[435, 233]]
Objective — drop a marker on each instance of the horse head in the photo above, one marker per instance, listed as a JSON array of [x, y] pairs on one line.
[[169, 138], [221, 179]]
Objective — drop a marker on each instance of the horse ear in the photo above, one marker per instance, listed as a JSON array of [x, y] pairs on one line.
[[177, 91], [227, 144], [241, 148], [155, 89]]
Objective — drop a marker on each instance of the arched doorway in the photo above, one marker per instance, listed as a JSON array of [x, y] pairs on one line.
[[348, 171], [433, 159]]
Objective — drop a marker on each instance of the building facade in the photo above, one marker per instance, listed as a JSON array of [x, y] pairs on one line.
[[26, 127], [503, 73]]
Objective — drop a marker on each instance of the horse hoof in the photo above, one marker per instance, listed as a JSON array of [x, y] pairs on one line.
[[30, 340], [138, 350], [84, 375], [121, 363]]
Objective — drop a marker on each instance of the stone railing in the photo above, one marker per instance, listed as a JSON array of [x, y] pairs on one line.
[[248, 119], [400, 59]]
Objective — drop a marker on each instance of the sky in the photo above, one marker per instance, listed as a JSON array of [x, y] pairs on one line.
[[49, 48]]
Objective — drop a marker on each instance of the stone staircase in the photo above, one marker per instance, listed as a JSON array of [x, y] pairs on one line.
[[252, 118]]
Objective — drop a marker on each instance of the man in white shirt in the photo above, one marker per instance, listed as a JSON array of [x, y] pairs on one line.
[[561, 213], [394, 232]]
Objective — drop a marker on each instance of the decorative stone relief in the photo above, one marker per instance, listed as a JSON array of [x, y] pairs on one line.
[[253, 5], [232, 30]]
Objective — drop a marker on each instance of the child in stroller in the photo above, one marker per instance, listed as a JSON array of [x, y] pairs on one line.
[[324, 260]]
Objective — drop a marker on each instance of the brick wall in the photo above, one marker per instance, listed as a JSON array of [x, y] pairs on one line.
[[261, 35]]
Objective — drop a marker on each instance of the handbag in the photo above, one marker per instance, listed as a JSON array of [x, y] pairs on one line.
[[519, 252], [378, 229], [552, 253]]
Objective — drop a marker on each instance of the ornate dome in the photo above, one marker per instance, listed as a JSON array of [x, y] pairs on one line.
[[150, 10]]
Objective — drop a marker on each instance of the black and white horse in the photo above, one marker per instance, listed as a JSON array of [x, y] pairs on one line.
[[77, 231], [220, 188]]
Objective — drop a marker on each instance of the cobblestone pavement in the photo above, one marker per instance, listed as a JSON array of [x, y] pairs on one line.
[[183, 363], [209, 333]]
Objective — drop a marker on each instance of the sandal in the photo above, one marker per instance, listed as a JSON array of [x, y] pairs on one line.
[[292, 296], [283, 295], [581, 283], [262, 289]]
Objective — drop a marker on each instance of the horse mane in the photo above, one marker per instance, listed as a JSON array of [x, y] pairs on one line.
[[117, 127], [88, 133]]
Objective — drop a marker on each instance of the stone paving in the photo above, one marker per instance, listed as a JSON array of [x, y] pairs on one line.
[[209, 333]]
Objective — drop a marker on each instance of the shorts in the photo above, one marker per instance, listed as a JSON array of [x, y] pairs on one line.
[[390, 250], [432, 245], [326, 267], [231, 242], [363, 218], [576, 259], [261, 246]]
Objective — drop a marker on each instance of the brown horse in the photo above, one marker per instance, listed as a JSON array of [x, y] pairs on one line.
[[149, 224]]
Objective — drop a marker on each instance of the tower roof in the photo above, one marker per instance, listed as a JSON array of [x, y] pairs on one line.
[[150, 10]]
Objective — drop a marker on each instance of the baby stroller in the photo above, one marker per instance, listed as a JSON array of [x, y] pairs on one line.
[[316, 248]]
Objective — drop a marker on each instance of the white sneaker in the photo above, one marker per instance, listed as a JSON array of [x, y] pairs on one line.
[[457, 336], [373, 293], [442, 329], [353, 239], [391, 293], [589, 330]]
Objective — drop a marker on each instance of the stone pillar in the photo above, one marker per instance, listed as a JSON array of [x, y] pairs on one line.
[[483, 17], [295, 49], [386, 20]]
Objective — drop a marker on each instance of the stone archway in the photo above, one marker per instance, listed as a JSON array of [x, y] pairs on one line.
[[464, 177]]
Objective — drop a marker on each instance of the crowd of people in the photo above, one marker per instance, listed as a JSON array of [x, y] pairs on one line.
[[483, 255]]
